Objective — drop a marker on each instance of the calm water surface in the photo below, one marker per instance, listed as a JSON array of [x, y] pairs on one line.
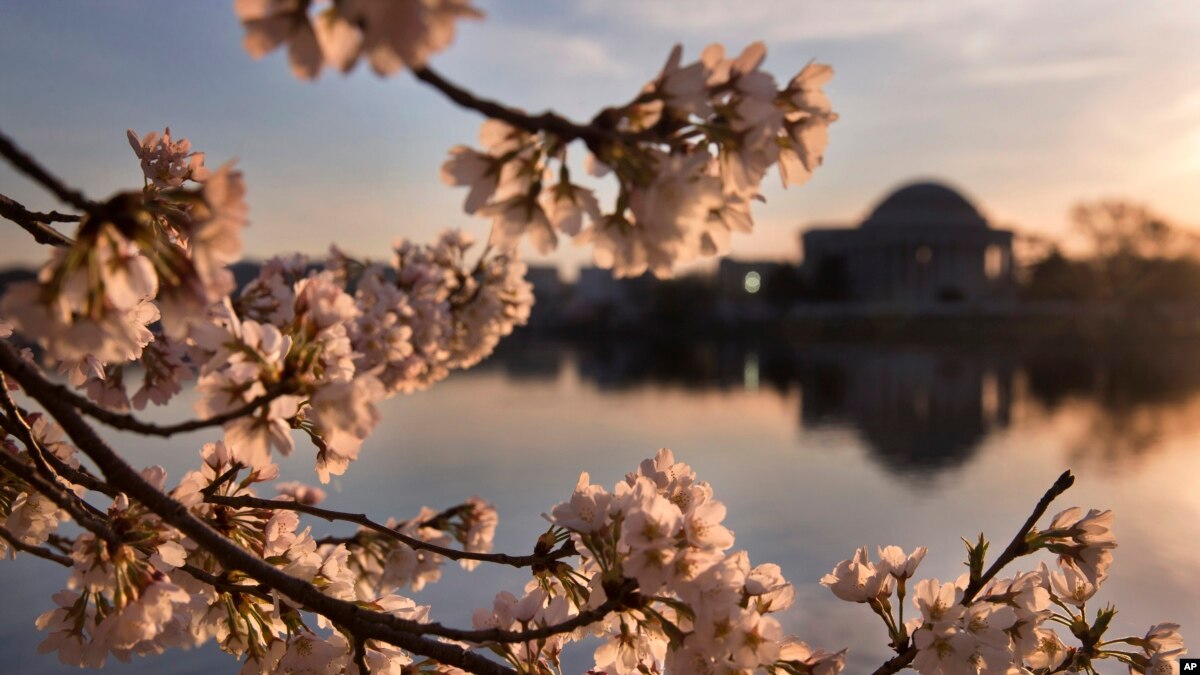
[[816, 450]]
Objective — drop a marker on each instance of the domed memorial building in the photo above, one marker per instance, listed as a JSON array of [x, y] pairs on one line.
[[923, 244]]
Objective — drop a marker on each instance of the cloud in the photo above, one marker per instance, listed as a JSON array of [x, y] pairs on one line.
[[790, 20], [550, 53], [1065, 70]]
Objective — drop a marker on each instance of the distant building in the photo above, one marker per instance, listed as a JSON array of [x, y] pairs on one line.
[[923, 244], [549, 293], [597, 286]]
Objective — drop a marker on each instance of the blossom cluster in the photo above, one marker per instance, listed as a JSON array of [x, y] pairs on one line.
[[390, 34], [27, 515], [656, 547], [688, 153], [1004, 628], [153, 591], [143, 298]]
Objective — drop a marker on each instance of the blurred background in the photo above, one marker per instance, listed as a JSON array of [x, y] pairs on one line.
[[993, 278]]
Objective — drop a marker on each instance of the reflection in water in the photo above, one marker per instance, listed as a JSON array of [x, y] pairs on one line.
[[919, 408]]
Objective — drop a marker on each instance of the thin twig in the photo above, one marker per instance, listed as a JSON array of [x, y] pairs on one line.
[[16, 424], [245, 501], [222, 479], [551, 122], [63, 499], [1018, 546], [28, 166], [36, 223], [34, 550], [126, 422]]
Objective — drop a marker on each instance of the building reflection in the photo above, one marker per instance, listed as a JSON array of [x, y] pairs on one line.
[[919, 408]]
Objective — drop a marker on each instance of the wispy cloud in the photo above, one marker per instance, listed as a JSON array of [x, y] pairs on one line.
[[548, 52], [1065, 70], [790, 20]]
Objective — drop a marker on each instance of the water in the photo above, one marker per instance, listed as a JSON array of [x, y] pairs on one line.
[[815, 449]]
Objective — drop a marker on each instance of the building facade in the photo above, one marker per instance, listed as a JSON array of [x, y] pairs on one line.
[[923, 244]]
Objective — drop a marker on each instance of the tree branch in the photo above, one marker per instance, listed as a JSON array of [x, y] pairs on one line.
[[548, 121], [34, 550], [35, 223], [243, 501], [15, 423], [28, 166], [63, 499], [127, 422], [223, 585]]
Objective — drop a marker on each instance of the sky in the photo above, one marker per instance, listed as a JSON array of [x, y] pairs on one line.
[[1026, 106]]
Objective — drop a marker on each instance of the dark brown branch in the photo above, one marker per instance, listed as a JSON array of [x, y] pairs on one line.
[[56, 217], [36, 223], [66, 501], [360, 656], [34, 550], [551, 122], [364, 521], [223, 585], [15, 423], [126, 422], [224, 478], [1016, 548], [28, 166]]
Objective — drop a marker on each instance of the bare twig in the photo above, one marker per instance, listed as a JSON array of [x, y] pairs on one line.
[[36, 223], [224, 478], [34, 550], [28, 166], [244, 501]]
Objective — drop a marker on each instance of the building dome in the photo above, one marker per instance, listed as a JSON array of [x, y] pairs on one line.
[[922, 204]]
